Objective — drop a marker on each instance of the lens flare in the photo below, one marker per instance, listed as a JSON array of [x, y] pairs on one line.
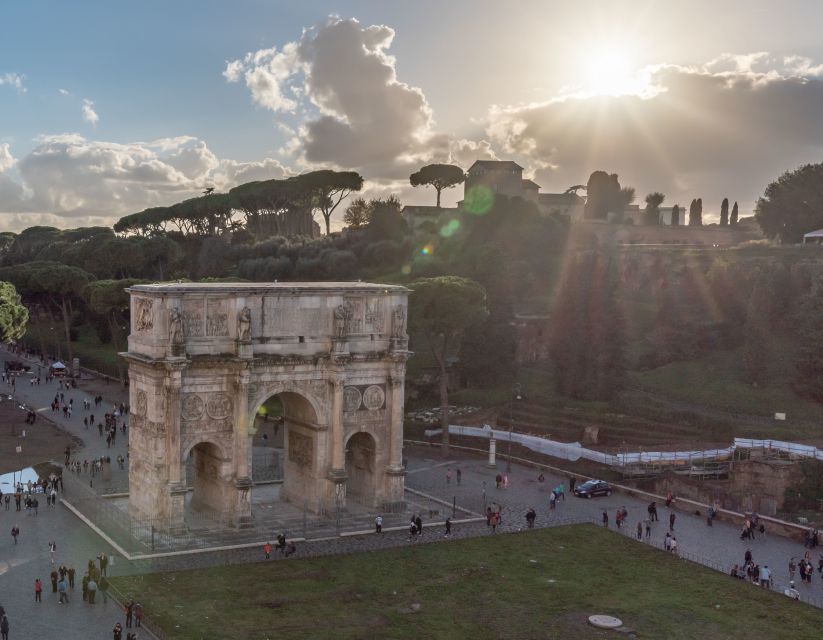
[[479, 200], [427, 250], [450, 228]]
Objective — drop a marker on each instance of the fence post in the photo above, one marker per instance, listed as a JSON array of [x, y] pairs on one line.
[[454, 506]]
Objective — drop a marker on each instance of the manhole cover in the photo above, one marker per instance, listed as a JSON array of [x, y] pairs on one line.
[[605, 622]]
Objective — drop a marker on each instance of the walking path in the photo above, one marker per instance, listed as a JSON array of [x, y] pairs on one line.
[[29, 559]]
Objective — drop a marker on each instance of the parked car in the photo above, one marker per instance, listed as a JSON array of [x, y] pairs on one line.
[[592, 488]]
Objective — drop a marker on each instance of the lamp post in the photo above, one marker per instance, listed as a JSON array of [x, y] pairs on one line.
[[515, 396]]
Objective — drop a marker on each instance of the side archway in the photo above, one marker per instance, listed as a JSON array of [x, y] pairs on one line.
[[361, 471], [210, 479]]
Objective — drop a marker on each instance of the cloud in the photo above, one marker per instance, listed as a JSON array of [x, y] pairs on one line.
[[89, 114], [13, 80], [724, 129], [63, 92], [75, 180], [356, 113], [6, 159]]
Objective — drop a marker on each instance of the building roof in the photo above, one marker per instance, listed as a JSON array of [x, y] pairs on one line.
[[814, 234], [492, 165], [263, 288], [529, 184]]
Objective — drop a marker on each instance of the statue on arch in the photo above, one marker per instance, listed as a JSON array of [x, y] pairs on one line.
[[244, 325], [341, 316], [399, 322], [175, 327]]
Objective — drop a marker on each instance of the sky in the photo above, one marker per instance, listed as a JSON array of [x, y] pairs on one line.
[[107, 108]]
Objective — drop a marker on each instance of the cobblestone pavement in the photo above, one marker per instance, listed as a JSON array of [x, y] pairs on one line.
[[21, 564]]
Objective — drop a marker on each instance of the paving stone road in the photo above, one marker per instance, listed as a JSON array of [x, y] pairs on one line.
[[21, 564]]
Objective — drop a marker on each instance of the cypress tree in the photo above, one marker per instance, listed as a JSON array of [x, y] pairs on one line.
[[724, 213], [699, 210], [675, 216], [734, 215]]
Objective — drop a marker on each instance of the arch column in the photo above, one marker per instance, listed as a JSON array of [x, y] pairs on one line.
[[392, 489], [336, 494], [243, 450], [176, 479]]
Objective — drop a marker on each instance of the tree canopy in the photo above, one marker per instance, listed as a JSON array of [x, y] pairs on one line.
[[653, 202], [441, 309], [439, 176], [792, 205], [605, 196], [724, 213], [13, 315]]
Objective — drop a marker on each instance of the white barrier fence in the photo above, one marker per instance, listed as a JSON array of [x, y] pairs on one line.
[[573, 451]]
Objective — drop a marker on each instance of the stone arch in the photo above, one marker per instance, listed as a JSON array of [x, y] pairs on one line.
[[304, 444], [211, 478], [361, 468], [292, 389]]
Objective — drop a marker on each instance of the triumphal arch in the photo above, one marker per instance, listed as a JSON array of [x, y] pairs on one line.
[[204, 357]]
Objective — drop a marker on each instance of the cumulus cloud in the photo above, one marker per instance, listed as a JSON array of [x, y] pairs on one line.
[[76, 180], [723, 129], [359, 114], [6, 159], [13, 80], [89, 114]]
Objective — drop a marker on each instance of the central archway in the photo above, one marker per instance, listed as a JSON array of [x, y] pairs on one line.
[[285, 434]]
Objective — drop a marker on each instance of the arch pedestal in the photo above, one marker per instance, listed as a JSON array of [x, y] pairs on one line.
[[203, 358]]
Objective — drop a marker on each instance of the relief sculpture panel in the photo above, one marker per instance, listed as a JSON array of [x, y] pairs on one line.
[[217, 318], [300, 449]]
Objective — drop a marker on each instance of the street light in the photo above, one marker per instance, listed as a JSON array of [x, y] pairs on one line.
[[515, 396]]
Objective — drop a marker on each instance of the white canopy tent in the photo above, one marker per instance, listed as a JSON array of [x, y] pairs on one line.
[[58, 365], [815, 237]]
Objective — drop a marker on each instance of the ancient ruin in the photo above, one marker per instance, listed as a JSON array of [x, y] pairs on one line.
[[204, 357]]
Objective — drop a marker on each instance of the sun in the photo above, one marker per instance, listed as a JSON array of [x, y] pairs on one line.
[[610, 72]]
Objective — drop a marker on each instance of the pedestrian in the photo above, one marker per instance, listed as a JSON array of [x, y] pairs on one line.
[[667, 542], [104, 563], [459, 476], [448, 528], [378, 524], [71, 577], [448, 476], [652, 509], [38, 590], [92, 589], [15, 531], [572, 480], [498, 480], [495, 520], [639, 530], [4, 627], [419, 524], [52, 549], [766, 577], [618, 518], [669, 499], [672, 518], [118, 631], [648, 529], [129, 613], [104, 588], [792, 568], [54, 578], [267, 550], [605, 518], [552, 500], [531, 514], [62, 589], [138, 611], [673, 545]]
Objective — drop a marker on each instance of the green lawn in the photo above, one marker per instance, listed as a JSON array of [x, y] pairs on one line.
[[715, 381], [477, 588], [92, 353]]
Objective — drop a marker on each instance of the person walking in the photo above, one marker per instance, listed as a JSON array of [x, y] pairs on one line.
[[648, 529], [38, 590], [71, 577], [92, 590], [672, 518], [62, 589], [267, 550], [448, 475], [138, 615], [4, 627], [605, 518], [531, 515], [129, 613], [54, 577], [640, 531], [448, 532], [118, 631], [104, 588], [673, 545], [459, 476], [52, 550], [378, 524], [15, 531]]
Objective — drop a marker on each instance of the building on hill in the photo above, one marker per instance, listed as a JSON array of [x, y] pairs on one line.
[[564, 204], [501, 176]]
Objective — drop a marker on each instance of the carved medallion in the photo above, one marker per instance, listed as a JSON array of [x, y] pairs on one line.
[[219, 406], [192, 407], [140, 403], [373, 398], [351, 399]]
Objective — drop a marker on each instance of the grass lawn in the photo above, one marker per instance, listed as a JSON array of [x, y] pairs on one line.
[[477, 588], [92, 353]]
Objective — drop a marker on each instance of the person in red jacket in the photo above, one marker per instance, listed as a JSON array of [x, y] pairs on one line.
[[38, 589]]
